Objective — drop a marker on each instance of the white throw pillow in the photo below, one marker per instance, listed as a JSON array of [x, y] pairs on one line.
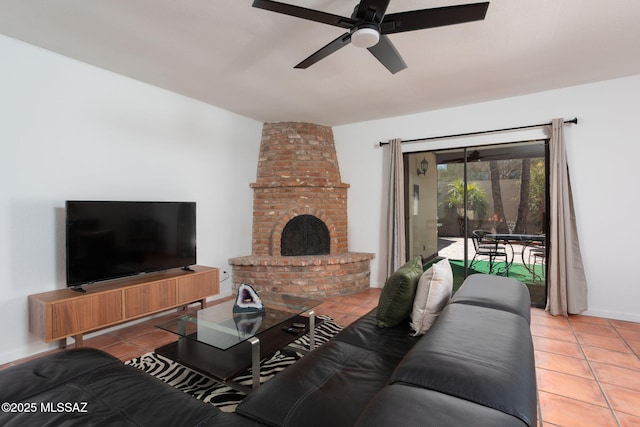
[[432, 295]]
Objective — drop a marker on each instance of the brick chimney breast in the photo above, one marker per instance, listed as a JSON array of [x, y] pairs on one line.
[[297, 155], [298, 175]]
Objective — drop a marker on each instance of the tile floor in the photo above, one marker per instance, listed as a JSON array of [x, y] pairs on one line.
[[588, 368]]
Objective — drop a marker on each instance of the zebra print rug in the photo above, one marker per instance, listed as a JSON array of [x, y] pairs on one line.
[[220, 395]]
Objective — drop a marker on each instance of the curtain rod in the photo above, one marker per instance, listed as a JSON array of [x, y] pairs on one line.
[[574, 121]]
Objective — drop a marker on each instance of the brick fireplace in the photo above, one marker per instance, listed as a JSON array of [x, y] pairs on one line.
[[300, 243]]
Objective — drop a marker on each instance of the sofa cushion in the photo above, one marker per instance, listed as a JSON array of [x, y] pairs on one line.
[[114, 394], [394, 342], [328, 387], [478, 354], [396, 298], [21, 382], [497, 292], [432, 294], [401, 405]]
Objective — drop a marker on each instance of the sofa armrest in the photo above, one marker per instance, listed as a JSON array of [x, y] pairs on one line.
[[402, 405], [477, 354]]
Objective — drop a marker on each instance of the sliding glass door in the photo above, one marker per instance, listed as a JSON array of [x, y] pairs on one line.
[[422, 204], [485, 208]]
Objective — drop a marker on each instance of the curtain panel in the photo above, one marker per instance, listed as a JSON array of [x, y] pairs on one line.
[[396, 248], [567, 285]]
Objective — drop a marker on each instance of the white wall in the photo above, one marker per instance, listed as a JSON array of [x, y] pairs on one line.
[[72, 131], [603, 151]]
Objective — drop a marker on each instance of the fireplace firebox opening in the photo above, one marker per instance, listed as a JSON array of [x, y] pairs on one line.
[[305, 235]]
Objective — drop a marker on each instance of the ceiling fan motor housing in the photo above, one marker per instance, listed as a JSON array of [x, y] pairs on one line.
[[365, 35]]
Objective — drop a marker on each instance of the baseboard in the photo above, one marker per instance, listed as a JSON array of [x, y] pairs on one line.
[[615, 315]]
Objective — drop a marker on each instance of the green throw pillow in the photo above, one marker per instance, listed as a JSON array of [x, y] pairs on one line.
[[396, 298]]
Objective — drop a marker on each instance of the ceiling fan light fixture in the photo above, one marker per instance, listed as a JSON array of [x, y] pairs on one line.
[[365, 37], [369, 25]]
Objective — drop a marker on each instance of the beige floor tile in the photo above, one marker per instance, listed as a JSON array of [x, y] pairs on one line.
[[582, 389], [154, 339], [553, 333], [609, 357], [623, 399], [123, 349], [590, 328], [557, 346], [629, 334], [627, 420], [550, 321], [564, 364], [616, 375], [621, 324], [566, 412], [609, 343], [574, 319]]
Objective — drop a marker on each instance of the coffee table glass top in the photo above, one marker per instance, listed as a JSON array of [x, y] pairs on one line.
[[219, 327]]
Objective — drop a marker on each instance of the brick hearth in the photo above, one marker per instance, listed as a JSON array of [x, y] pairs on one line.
[[298, 174]]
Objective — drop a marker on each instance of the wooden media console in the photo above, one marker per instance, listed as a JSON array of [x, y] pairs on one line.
[[63, 313]]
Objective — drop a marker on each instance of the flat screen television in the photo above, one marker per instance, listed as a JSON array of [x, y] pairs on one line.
[[112, 239]]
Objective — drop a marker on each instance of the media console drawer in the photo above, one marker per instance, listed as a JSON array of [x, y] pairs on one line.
[[63, 313], [86, 313], [149, 297], [191, 288]]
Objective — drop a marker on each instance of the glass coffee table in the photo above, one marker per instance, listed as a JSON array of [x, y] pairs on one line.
[[222, 345]]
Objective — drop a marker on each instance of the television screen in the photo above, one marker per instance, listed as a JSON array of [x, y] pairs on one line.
[[111, 239]]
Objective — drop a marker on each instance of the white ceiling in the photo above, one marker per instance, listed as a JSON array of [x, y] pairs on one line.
[[228, 54]]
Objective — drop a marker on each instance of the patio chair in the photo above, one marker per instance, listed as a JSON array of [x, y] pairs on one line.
[[490, 248], [539, 255]]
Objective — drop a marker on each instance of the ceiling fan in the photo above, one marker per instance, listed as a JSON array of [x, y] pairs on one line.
[[476, 156], [368, 26]]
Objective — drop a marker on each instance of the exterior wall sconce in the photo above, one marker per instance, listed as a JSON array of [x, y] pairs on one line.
[[424, 165]]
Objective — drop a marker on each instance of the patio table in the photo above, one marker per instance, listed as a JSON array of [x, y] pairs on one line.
[[525, 239]]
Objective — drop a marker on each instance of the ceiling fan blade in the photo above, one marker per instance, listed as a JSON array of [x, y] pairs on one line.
[[379, 6], [388, 55], [474, 156], [304, 13], [325, 51], [436, 17]]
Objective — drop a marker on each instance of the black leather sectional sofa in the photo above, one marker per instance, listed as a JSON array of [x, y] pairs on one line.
[[473, 367]]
